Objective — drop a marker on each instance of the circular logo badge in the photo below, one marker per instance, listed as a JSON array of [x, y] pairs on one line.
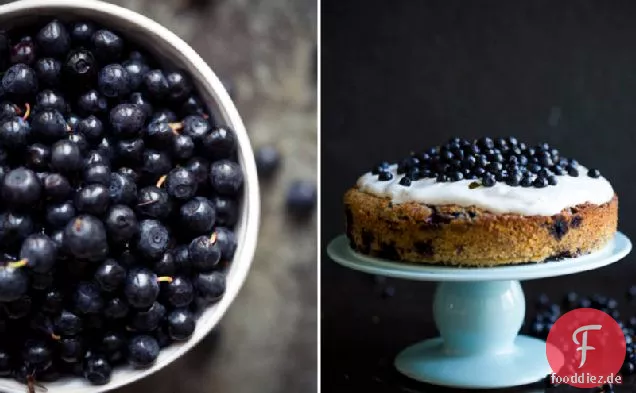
[[585, 349]]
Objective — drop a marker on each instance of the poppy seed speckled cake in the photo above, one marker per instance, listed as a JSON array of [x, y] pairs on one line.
[[481, 203]]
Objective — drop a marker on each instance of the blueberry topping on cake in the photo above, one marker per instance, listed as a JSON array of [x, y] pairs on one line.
[[499, 160]]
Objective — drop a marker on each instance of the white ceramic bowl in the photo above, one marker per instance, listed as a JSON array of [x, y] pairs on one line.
[[164, 44]]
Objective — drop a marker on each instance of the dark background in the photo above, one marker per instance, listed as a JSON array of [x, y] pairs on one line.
[[405, 75]]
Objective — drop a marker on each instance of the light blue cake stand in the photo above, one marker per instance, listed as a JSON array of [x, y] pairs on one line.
[[478, 312]]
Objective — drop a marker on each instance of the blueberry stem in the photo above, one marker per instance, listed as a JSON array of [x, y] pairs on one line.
[[27, 111], [161, 180], [77, 224], [164, 279], [176, 127], [213, 237], [21, 263], [55, 337]]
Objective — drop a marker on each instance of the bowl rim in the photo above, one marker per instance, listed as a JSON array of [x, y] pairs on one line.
[[206, 81]]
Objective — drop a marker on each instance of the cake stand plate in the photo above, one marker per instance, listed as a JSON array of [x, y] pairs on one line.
[[479, 312]]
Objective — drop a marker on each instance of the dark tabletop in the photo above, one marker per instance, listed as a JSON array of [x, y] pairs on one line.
[[402, 76]]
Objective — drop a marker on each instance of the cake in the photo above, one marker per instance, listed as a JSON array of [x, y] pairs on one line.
[[486, 202]]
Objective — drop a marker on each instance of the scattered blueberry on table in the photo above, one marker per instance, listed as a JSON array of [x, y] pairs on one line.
[[301, 198], [120, 192], [547, 312]]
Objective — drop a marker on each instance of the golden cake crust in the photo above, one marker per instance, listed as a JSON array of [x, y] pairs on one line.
[[470, 236]]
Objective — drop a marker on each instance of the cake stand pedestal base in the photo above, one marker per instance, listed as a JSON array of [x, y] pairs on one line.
[[479, 312]]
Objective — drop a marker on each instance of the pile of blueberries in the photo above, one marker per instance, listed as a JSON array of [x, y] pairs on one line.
[[487, 161], [119, 195], [547, 312]]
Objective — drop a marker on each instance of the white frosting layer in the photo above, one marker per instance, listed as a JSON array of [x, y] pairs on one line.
[[501, 198]]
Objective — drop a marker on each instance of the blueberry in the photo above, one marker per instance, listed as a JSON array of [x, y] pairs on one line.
[[179, 292], [48, 71], [142, 351], [111, 342], [226, 177], [67, 324], [140, 100], [14, 133], [182, 147], [210, 286], [121, 224], [197, 215], [148, 320], [182, 259], [114, 81], [227, 242], [300, 199], [56, 187], [155, 84], [87, 298], [5, 363], [181, 184], [48, 99], [80, 68], [97, 174], [115, 308], [153, 239], [595, 173], [196, 127], [85, 238], [37, 354], [165, 265], [92, 103], [49, 125], [141, 288], [20, 187], [40, 253], [227, 210], [92, 199], [14, 227], [122, 189], [136, 69], [14, 283], [204, 252], [58, 215], [94, 157], [156, 162], [154, 202], [97, 370], [38, 157], [164, 116], [110, 275], [20, 80], [199, 167], [179, 87], [130, 151], [53, 39], [181, 324], [23, 51], [220, 143], [159, 134], [127, 120], [82, 32], [108, 45], [267, 161]]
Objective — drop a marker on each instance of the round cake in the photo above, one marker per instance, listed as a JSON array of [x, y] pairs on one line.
[[486, 202]]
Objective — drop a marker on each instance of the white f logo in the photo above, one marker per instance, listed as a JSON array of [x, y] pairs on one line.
[[584, 348]]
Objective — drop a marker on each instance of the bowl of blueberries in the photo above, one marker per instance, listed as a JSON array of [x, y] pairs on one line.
[[129, 203]]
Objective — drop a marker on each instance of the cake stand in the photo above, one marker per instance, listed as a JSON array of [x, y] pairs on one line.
[[478, 312]]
